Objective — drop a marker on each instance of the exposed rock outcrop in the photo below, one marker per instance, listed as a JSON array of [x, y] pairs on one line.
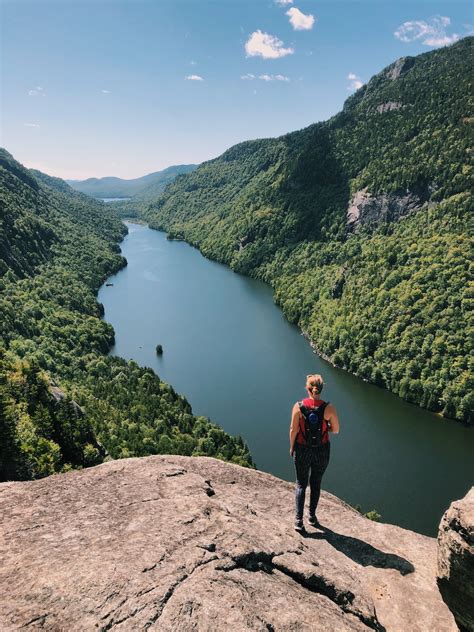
[[365, 210], [399, 67], [456, 560], [58, 396], [388, 106], [244, 241], [182, 543]]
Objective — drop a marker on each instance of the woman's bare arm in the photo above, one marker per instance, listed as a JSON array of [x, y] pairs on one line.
[[295, 423], [330, 415]]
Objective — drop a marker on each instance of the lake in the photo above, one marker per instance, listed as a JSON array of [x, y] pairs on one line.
[[107, 200], [231, 352]]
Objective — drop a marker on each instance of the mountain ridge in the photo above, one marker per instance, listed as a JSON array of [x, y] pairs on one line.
[[111, 186], [376, 199], [64, 403]]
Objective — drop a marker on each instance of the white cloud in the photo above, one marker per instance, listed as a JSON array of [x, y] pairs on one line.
[[431, 32], [283, 3], [273, 78], [442, 41], [194, 78], [105, 91], [300, 21], [36, 92], [250, 77], [31, 124], [355, 82], [267, 46]]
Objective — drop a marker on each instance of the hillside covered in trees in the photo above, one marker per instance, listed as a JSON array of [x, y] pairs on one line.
[[63, 402], [140, 191], [360, 224]]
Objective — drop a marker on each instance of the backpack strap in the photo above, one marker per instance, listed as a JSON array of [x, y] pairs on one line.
[[302, 407], [302, 428], [324, 406]]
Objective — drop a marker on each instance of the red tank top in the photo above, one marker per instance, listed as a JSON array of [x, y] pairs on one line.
[[311, 403]]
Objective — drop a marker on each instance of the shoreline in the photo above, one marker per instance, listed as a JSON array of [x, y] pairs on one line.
[[313, 346]]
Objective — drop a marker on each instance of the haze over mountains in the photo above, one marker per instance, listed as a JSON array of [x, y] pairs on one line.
[[148, 186]]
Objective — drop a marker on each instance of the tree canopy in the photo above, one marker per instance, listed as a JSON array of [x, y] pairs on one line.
[[63, 402]]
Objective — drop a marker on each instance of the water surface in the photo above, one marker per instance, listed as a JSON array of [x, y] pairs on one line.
[[231, 352]]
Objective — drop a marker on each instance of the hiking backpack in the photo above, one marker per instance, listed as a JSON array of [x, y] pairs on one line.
[[316, 429]]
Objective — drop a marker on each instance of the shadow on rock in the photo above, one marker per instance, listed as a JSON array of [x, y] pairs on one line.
[[361, 552]]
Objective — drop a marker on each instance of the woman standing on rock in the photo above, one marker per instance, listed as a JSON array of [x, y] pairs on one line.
[[311, 421]]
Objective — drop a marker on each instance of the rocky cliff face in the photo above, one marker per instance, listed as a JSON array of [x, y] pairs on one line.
[[365, 210], [181, 543], [456, 560], [399, 67]]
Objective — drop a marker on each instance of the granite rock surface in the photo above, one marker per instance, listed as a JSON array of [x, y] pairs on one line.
[[185, 544], [368, 212], [456, 560]]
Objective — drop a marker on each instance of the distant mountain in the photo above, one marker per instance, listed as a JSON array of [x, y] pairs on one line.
[[150, 185], [361, 225]]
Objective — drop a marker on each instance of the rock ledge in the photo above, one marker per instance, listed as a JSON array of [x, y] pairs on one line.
[[182, 543], [456, 560]]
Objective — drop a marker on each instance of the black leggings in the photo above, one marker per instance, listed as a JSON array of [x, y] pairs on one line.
[[306, 459]]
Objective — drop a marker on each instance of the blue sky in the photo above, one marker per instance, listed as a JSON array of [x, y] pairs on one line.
[[124, 88]]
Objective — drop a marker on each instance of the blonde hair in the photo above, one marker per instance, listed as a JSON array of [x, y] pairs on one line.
[[314, 378]]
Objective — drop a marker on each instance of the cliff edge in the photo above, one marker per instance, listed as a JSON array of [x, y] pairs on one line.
[[456, 560], [193, 543]]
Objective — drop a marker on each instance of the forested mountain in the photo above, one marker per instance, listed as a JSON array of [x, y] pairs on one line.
[[360, 224], [63, 402], [145, 187]]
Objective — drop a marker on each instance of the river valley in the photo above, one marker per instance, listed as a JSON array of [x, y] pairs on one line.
[[231, 352]]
